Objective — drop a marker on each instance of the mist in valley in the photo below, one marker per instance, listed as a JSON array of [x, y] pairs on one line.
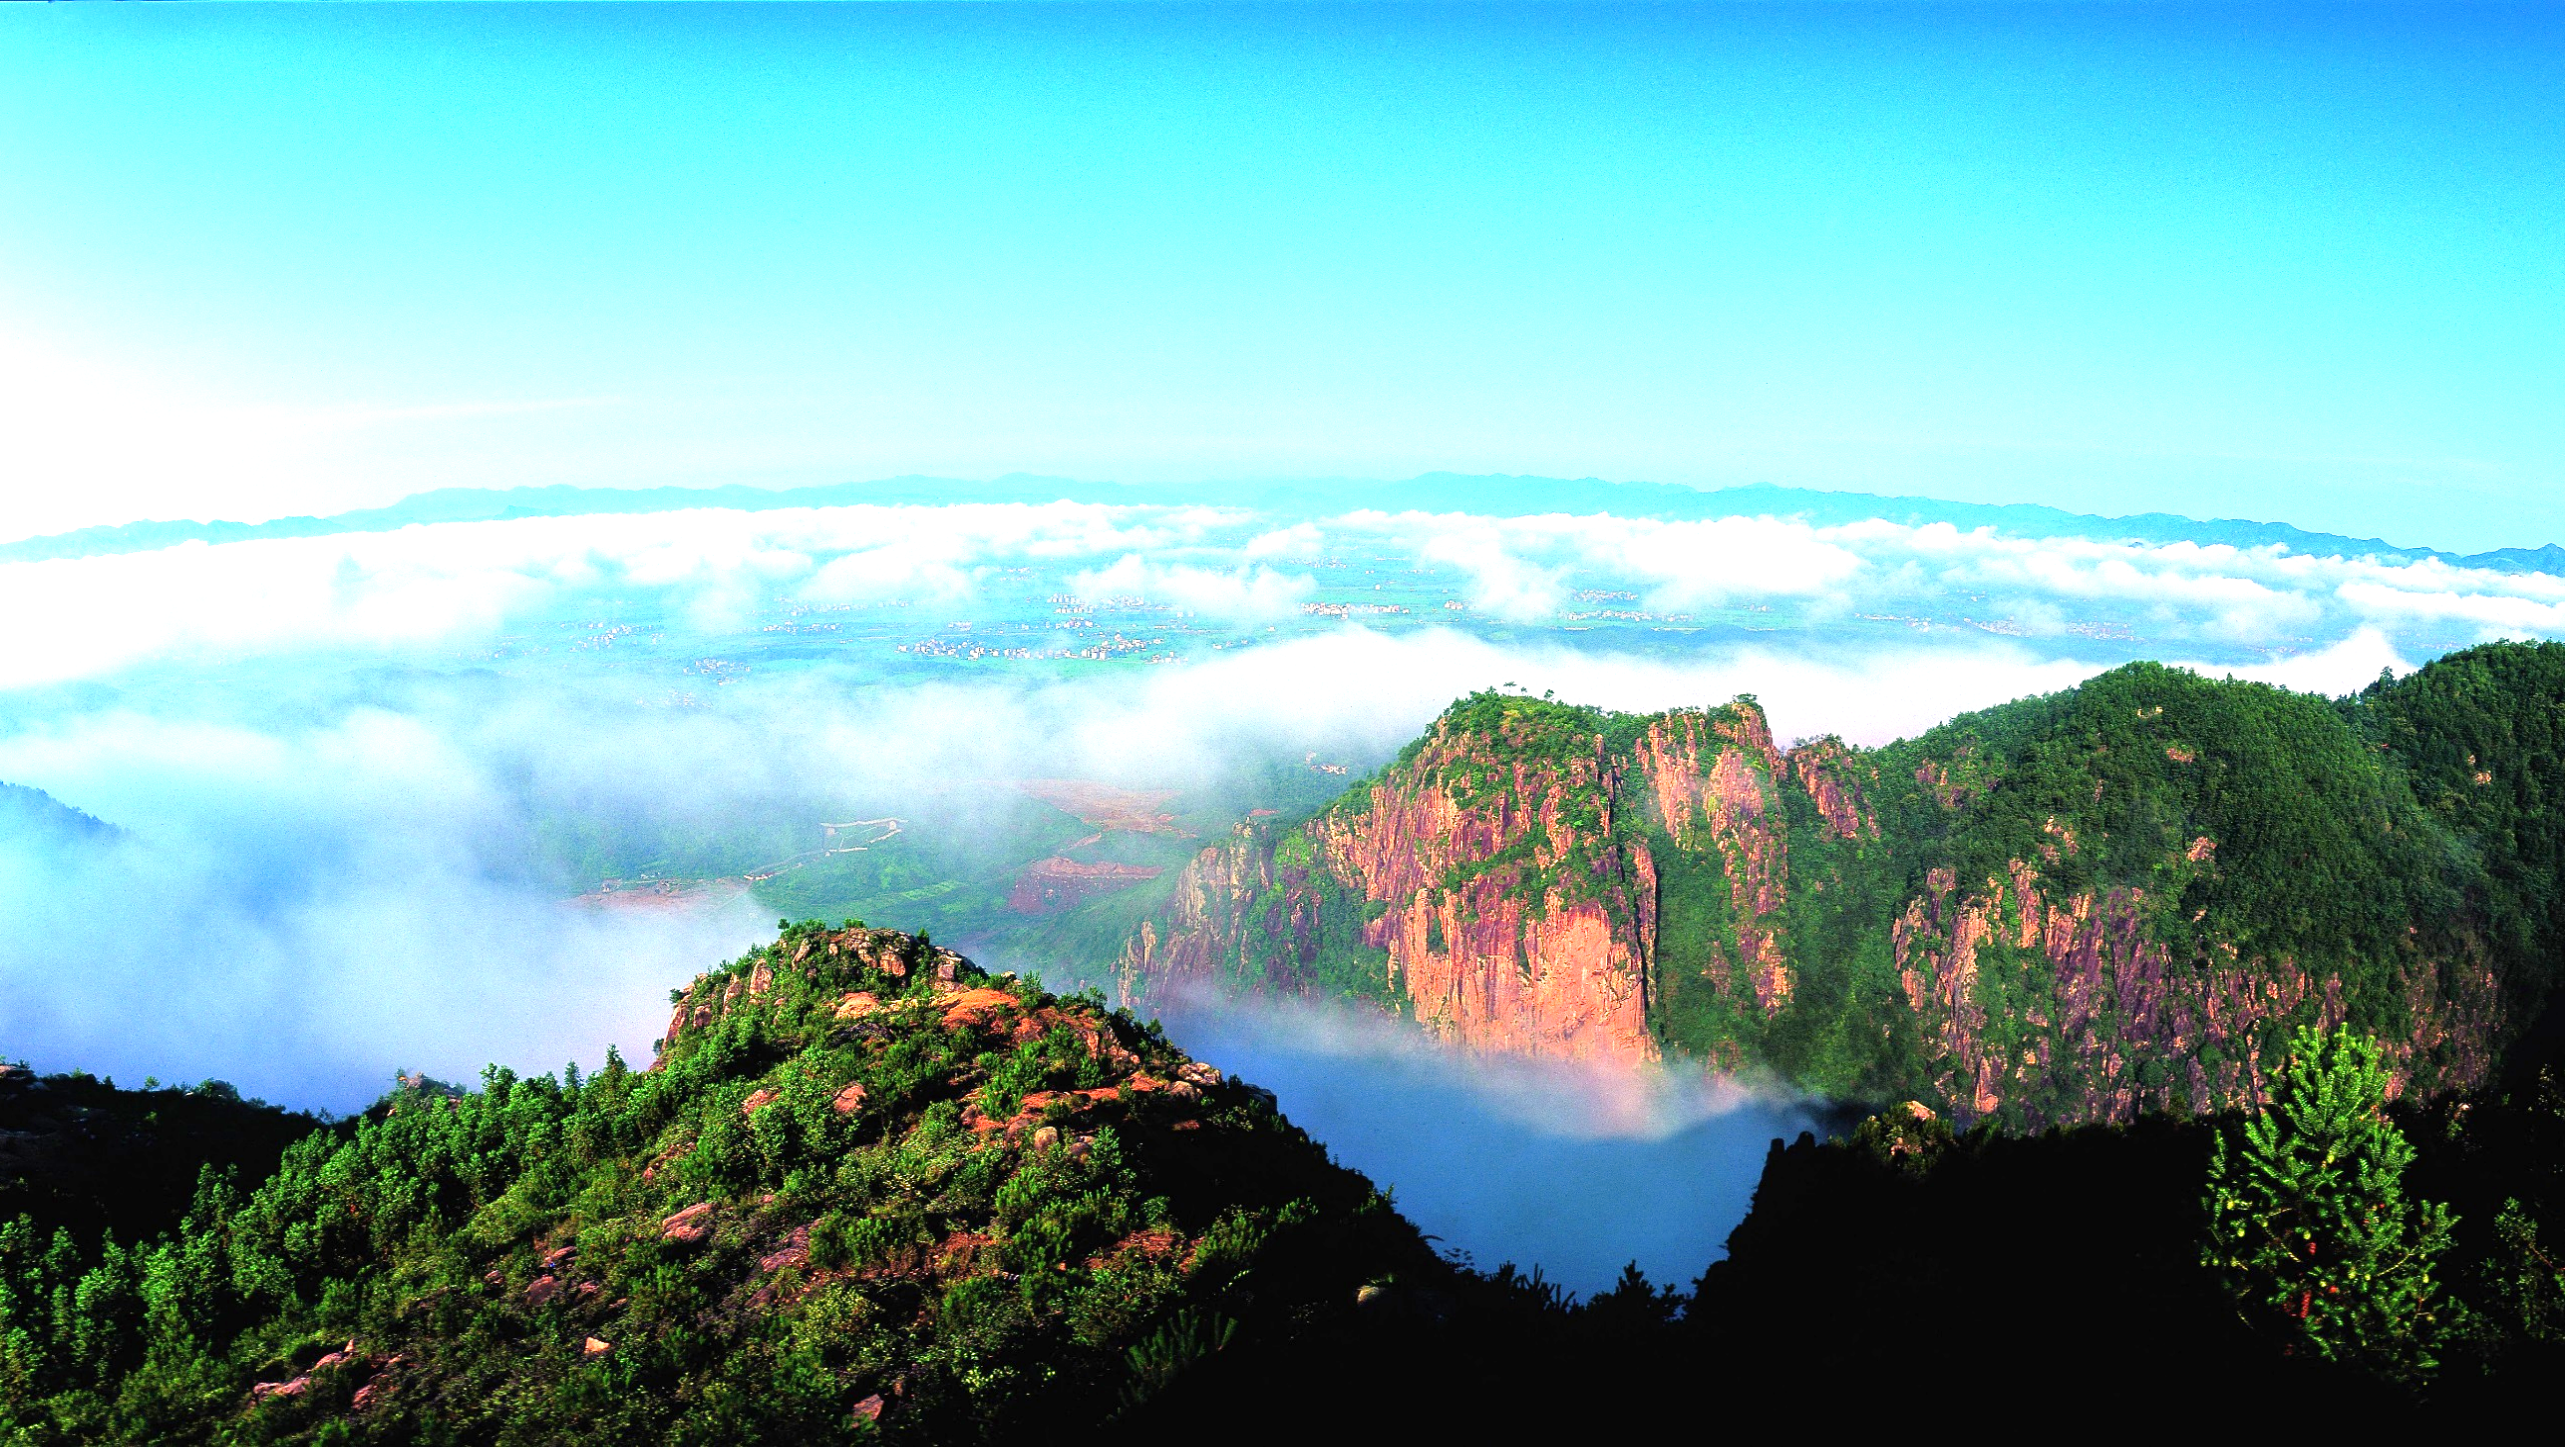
[[395, 803], [1576, 1168]]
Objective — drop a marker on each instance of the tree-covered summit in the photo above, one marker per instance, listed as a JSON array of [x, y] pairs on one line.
[[864, 1190]]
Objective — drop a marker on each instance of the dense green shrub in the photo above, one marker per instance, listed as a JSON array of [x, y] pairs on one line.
[[2309, 1228]]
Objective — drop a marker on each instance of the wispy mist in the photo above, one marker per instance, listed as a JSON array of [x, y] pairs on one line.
[[1577, 1169]]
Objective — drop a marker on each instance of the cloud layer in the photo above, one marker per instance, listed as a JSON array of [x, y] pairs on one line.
[[338, 815], [309, 904], [716, 571]]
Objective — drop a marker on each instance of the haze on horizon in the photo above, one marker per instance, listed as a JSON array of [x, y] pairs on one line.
[[2283, 262]]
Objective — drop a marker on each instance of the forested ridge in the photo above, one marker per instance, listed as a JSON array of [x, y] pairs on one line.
[[2082, 906]]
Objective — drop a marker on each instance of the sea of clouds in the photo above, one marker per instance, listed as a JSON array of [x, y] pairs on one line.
[[330, 866], [429, 586]]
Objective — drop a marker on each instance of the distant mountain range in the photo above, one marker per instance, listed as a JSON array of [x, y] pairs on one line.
[[1489, 496], [34, 816]]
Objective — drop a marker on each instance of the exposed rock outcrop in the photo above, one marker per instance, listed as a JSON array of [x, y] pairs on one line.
[[712, 996], [1057, 883]]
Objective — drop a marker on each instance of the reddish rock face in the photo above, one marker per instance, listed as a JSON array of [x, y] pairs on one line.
[[1532, 954], [1712, 780], [1507, 878], [792, 1254], [1048, 886], [295, 1388], [1524, 957], [1832, 777], [2114, 1000], [976, 1007]]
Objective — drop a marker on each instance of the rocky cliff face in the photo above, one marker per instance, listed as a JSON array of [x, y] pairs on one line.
[[2075, 1000], [1483, 889], [1533, 877], [1513, 914], [1712, 780]]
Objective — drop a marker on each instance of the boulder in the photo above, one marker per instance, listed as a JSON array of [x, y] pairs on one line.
[[690, 1226], [295, 1388], [974, 1007]]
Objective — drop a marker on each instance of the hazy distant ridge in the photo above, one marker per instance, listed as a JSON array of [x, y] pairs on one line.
[[33, 814], [1487, 496]]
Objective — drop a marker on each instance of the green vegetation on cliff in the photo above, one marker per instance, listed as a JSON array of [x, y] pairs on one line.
[[864, 1190], [2071, 907]]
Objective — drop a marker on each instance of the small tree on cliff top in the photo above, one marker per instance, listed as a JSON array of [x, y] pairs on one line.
[[2309, 1228]]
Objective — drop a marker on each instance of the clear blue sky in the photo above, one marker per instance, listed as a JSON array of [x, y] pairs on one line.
[[2263, 261]]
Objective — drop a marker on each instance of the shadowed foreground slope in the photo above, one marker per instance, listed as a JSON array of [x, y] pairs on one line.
[[868, 1193]]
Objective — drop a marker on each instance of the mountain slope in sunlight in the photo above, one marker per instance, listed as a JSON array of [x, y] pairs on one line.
[[2073, 907]]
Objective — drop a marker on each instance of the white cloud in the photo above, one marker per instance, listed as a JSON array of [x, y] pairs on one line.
[[450, 584], [2345, 667], [307, 905], [1696, 564], [302, 911], [2501, 615], [455, 582], [384, 833], [1503, 581]]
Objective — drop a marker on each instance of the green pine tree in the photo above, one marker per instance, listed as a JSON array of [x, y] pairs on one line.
[[2309, 1228]]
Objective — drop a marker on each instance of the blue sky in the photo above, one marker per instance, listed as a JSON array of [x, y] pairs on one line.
[[2266, 261]]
